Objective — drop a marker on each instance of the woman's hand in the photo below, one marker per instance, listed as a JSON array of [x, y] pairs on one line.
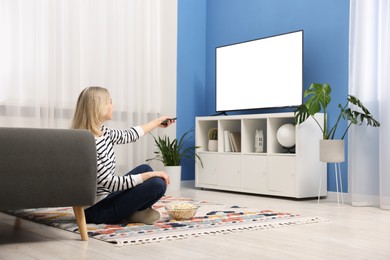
[[164, 121], [159, 174], [157, 123]]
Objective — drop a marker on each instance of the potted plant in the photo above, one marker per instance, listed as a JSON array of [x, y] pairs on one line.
[[170, 152], [317, 101], [213, 140]]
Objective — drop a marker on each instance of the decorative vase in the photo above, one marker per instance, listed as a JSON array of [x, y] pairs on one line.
[[259, 141], [174, 173], [213, 145], [332, 151]]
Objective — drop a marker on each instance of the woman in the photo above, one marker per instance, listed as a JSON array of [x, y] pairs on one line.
[[119, 198]]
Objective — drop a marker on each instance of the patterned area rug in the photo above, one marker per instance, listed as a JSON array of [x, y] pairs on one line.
[[210, 219]]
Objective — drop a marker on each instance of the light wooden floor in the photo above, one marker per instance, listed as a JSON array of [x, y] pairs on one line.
[[351, 233]]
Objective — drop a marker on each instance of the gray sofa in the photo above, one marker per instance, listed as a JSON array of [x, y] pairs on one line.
[[48, 168]]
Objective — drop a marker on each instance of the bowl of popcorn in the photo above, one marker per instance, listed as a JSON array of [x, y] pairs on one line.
[[181, 211]]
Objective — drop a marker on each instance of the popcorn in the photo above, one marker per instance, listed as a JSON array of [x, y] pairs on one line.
[[181, 211]]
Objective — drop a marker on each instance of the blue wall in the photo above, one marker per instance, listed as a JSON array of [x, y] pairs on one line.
[[206, 24], [191, 71]]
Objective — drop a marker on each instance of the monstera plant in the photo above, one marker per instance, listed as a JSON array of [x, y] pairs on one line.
[[353, 111], [317, 101]]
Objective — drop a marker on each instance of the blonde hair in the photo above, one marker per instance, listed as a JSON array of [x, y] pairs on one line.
[[92, 105]]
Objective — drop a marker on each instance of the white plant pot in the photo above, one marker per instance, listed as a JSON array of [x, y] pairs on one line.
[[332, 151], [174, 173], [213, 145]]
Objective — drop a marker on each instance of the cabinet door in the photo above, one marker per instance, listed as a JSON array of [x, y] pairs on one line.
[[208, 173], [229, 170], [281, 174], [254, 173]]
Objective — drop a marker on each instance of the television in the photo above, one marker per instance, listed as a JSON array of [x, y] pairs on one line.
[[260, 73]]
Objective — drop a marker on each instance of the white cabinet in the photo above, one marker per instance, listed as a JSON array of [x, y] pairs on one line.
[[275, 171], [281, 174], [254, 173], [207, 175], [229, 171]]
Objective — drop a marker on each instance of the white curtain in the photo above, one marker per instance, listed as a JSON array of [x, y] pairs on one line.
[[52, 49], [369, 70]]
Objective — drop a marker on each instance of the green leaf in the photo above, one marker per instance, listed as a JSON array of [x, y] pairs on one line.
[[317, 100], [171, 152]]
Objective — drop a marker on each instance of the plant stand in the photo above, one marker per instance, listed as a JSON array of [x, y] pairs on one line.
[[332, 151], [337, 173]]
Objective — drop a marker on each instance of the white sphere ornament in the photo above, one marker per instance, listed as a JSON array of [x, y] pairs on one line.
[[286, 135]]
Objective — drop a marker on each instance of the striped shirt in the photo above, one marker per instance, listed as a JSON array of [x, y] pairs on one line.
[[107, 180]]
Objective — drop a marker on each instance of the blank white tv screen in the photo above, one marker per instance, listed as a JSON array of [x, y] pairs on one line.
[[262, 73]]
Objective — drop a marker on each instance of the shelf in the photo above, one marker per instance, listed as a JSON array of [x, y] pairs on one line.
[[271, 172]]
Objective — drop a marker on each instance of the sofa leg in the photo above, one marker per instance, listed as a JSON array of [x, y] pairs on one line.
[[17, 223], [81, 222]]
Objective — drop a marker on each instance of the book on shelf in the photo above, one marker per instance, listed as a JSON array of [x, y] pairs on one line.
[[236, 140], [232, 141], [226, 141]]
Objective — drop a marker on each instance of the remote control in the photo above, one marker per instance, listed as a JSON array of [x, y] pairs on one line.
[[165, 122]]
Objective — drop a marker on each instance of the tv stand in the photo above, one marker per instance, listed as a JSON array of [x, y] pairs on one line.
[[273, 172]]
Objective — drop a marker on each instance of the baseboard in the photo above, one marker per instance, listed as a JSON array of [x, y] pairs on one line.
[[332, 197]]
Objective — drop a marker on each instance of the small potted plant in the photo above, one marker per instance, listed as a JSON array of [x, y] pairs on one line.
[[317, 101], [213, 140], [170, 152]]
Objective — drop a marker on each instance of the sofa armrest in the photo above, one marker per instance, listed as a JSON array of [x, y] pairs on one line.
[[46, 168]]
